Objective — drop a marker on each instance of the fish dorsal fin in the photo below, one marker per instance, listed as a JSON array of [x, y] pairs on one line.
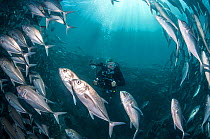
[[136, 108]]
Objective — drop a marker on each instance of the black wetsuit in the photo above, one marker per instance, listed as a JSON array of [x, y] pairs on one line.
[[105, 76]]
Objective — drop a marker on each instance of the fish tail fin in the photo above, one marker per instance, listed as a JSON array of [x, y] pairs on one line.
[[30, 48], [47, 22], [111, 126], [56, 114], [185, 134], [135, 134], [26, 56], [68, 27], [65, 13], [202, 127], [47, 47], [27, 68]]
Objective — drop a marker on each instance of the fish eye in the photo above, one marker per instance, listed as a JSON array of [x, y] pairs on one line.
[[78, 82], [64, 70]]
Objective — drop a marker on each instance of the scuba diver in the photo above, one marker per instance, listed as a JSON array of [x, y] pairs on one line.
[[109, 77]]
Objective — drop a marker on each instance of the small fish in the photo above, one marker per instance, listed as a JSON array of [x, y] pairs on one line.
[[21, 60], [207, 111], [177, 116], [8, 128], [13, 101], [55, 6], [163, 13], [206, 67], [43, 128], [35, 36], [184, 72], [132, 109], [197, 91], [190, 40], [193, 113], [12, 71], [39, 84], [201, 32], [16, 117], [36, 9], [18, 37], [72, 134], [36, 101], [60, 20], [167, 26]]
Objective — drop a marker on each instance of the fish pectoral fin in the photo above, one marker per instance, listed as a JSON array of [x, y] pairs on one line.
[[13, 81], [130, 124], [38, 111], [104, 101], [174, 126], [136, 108], [91, 115]]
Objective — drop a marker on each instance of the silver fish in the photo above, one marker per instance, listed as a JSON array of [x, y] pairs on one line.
[[163, 13], [35, 36], [16, 117], [55, 7], [93, 102], [167, 26], [18, 37], [193, 113], [13, 101], [10, 45], [13, 72], [8, 128], [200, 30], [36, 101], [58, 19], [184, 72], [207, 111], [43, 128], [206, 67], [132, 109], [66, 76], [72, 134], [189, 39], [177, 116], [36, 9], [39, 84], [197, 91], [21, 60]]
